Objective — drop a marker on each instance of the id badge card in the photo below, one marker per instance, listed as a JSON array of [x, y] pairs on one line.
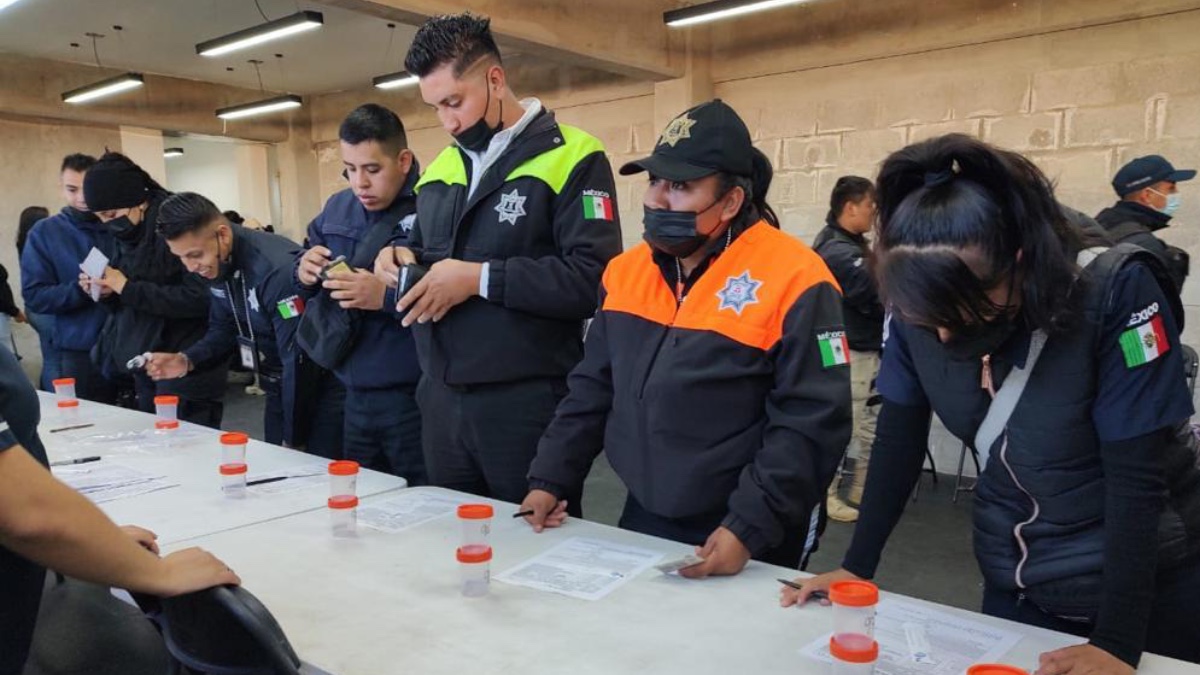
[[248, 352]]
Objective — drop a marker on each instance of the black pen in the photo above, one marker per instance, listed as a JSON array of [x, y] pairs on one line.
[[72, 428], [522, 514], [819, 595], [81, 460], [264, 481]]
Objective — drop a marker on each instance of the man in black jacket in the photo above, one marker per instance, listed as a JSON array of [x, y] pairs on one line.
[[155, 305], [254, 310], [515, 223], [844, 248], [1149, 198]]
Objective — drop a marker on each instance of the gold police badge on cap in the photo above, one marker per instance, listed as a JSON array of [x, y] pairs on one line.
[[679, 129]]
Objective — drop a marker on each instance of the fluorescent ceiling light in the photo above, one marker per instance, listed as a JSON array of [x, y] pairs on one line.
[[260, 107], [395, 80], [256, 35], [173, 152], [720, 9], [104, 88], [6, 3]]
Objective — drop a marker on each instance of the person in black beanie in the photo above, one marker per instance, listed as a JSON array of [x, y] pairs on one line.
[[155, 305]]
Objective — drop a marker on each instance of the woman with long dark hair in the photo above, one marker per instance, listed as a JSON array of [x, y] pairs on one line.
[[715, 373], [1058, 359]]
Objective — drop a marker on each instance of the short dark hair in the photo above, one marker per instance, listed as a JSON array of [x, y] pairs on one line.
[[30, 215], [233, 217], [373, 122], [848, 189], [77, 162], [185, 212], [461, 39]]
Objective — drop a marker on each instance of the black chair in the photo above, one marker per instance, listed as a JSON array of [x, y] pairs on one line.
[[222, 631]]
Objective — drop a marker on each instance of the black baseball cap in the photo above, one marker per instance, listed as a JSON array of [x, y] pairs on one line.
[[1146, 171], [702, 141]]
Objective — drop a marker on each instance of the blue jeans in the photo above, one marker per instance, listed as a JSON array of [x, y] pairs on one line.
[[51, 367], [383, 431]]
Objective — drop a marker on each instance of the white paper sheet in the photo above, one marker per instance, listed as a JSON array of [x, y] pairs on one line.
[[104, 482], [583, 568], [405, 511], [93, 266], [917, 640]]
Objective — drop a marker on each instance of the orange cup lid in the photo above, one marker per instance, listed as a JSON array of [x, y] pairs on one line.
[[343, 502], [343, 467], [166, 424], [166, 400], [474, 554], [69, 403], [232, 469], [841, 653], [995, 669], [854, 593], [475, 511], [234, 438], [63, 381]]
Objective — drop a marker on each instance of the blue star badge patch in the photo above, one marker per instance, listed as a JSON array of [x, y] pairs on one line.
[[739, 291]]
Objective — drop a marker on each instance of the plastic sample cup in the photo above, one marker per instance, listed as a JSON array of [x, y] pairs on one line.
[[343, 478], [166, 407], [475, 564], [854, 613], [995, 669], [343, 515], [64, 388], [68, 410], [166, 429], [476, 522], [233, 447], [848, 661], [233, 480]]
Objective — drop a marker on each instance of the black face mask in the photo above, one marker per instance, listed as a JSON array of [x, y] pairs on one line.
[[81, 216], [122, 228], [478, 136], [674, 232], [981, 340]]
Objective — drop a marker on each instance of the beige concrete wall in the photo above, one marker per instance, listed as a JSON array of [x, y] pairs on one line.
[[1080, 103]]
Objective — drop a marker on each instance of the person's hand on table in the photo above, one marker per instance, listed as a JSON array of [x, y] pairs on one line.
[[548, 510], [1081, 660], [810, 585], [145, 538], [724, 555]]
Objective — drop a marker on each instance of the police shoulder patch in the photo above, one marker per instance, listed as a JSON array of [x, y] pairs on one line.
[[835, 350]]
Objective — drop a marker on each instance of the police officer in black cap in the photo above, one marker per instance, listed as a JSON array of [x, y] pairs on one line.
[[716, 374], [1149, 196]]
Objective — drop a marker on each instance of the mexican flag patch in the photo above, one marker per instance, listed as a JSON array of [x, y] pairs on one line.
[[835, 351], [597, 206], [290, 307], [1144, 343]]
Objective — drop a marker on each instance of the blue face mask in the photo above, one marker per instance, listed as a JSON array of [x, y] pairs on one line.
[[1172, 204]]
